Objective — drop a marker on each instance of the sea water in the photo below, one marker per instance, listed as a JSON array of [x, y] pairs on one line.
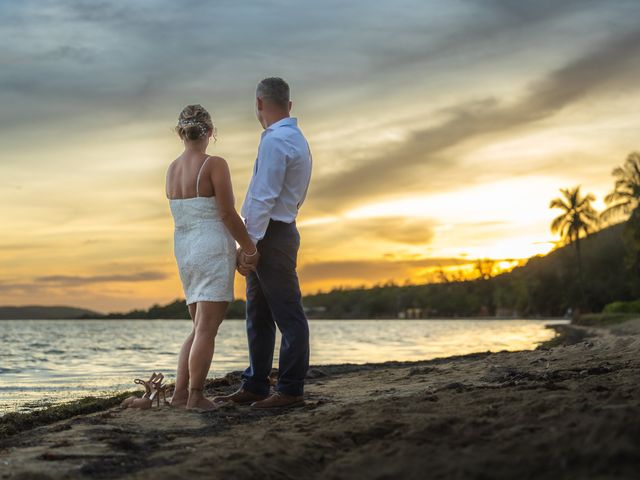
[[43, 362]]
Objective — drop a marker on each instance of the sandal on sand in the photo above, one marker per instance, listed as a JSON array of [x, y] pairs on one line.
[[147, 387], [152, 388], [160, 390]]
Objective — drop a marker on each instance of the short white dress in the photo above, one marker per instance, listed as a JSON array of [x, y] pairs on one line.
[[204, 249]]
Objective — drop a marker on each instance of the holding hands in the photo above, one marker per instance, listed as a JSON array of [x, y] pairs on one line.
[[247, 261]]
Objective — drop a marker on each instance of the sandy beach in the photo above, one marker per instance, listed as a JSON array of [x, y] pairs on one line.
[[569, 410]]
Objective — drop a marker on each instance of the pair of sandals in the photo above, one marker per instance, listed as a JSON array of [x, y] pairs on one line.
[[154, 389]]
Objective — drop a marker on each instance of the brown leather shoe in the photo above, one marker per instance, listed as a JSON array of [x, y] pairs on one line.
[[279, 400], [241, 397]]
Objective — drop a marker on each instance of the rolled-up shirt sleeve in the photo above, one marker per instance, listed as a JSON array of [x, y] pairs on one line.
[[266, 186]]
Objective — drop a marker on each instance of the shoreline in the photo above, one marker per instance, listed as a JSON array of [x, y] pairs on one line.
[[435, 319], [568, 409], [13, 423]]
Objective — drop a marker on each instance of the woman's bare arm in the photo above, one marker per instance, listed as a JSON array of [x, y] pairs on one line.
[[221, 180], [166, 180]]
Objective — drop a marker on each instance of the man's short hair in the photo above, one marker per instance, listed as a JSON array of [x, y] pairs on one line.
[[275, 90]]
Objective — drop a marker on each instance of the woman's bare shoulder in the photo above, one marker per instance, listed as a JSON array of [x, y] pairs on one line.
[[218, 162], [172, 165]]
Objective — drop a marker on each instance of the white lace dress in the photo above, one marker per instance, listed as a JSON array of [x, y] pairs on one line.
[[204, 249]]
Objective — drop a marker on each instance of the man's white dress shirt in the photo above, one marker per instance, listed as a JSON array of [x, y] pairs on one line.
[[280, 178]]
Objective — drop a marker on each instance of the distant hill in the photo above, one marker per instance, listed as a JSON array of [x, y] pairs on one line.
[[549, 284], [174, 310], [42, 312]]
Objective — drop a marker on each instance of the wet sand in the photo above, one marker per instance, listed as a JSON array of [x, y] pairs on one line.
[[564, 411]]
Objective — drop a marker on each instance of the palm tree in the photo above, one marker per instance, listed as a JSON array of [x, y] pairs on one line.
[[626, 195], [578, 218]]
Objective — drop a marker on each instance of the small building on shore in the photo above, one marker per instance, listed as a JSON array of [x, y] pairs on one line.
[[411, 313]]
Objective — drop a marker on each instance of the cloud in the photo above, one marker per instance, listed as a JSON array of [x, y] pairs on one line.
[[403, 230], [419, 162], [358, 234], [15, 247], [123, 59], [18, 287], [497, 24], [48, 283], [143, 58], [74, 280], [368, 271]]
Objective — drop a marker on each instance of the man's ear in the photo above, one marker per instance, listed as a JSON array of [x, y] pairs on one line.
[[290, 105], [259, 103]]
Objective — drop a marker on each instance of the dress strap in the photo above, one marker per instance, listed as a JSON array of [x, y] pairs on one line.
[[198, 177]]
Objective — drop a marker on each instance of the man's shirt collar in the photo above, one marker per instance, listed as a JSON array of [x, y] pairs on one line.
[[286, 121]]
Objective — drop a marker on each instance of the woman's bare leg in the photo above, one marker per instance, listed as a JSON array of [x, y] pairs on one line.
[[209, 316], [181, 390]]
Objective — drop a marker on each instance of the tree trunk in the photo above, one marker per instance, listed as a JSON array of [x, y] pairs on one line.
[[583, 295]]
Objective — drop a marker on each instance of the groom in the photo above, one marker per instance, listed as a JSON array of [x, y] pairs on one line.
[[278, 188]]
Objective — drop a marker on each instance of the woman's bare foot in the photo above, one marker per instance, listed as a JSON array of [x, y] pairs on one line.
[[197, 401], [179, 398]]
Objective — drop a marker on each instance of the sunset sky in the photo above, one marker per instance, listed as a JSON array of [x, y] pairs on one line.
[[440, 131]]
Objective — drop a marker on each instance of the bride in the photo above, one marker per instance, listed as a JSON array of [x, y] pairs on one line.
[[207, 228]]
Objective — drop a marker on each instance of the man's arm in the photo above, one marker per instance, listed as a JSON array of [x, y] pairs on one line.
[[267, 185]]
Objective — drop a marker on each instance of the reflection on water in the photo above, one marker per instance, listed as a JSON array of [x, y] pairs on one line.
[[53, 360]]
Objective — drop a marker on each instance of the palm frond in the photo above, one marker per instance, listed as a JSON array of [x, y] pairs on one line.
[[619, 172], [559, 203], [617, 195], [633, 160], [616, 211], [626, 193], [557, 223]]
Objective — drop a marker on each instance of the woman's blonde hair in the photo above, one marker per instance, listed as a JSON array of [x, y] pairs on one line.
[[194, 123]]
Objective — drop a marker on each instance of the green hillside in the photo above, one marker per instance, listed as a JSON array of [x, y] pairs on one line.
[[545, 286]]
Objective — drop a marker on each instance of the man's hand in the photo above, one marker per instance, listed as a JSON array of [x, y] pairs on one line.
[[242, 270], [250, 261], [246, 263]]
